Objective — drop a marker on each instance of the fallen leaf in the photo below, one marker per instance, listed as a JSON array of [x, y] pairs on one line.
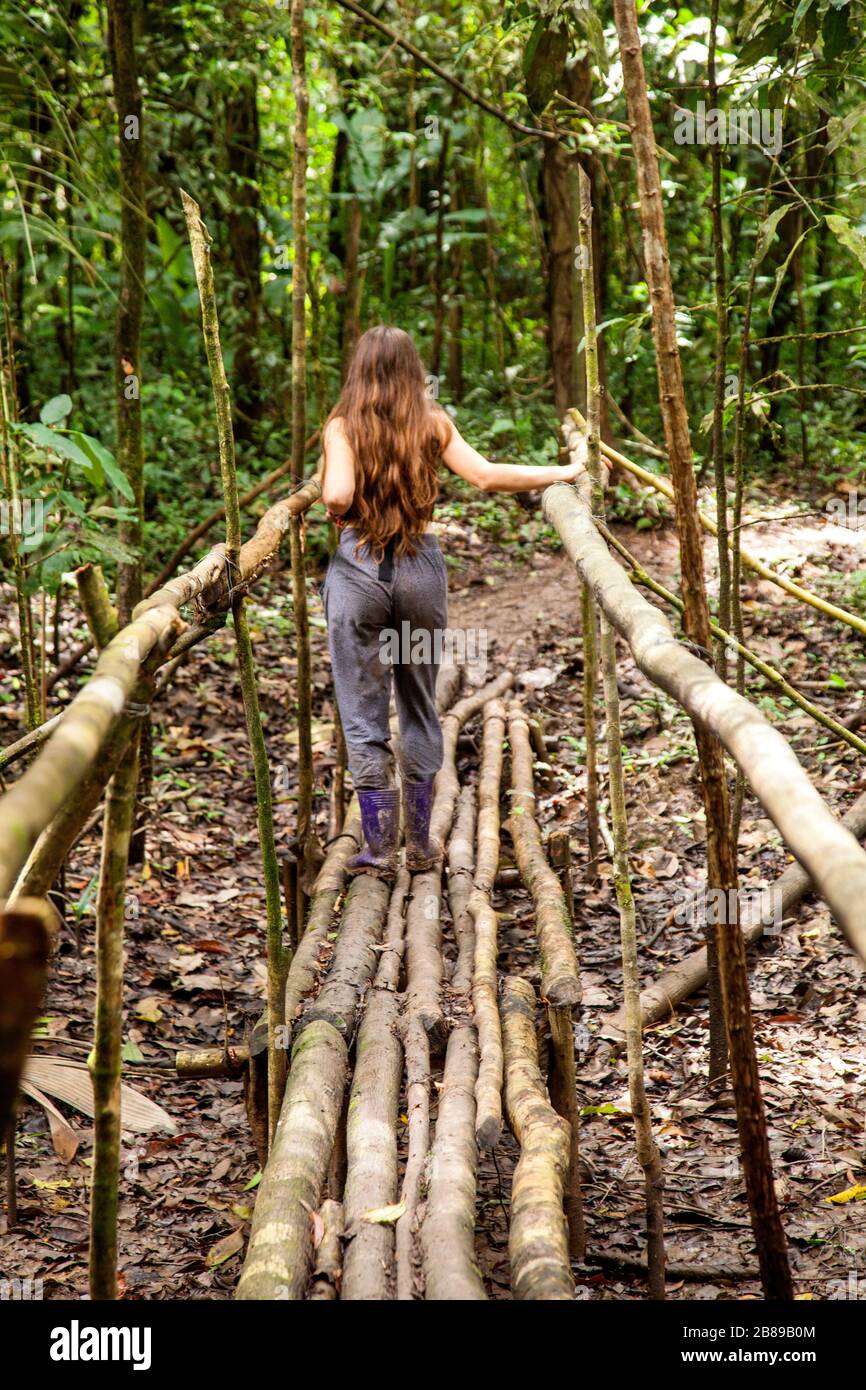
[[851, 1194], [230, 1245], [383, 1216], [149, 1010]]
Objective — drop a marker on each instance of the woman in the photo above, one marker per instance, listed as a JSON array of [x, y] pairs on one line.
[[383, 445]]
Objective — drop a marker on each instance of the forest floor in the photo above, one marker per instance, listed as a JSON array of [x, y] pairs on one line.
[[195, 969]]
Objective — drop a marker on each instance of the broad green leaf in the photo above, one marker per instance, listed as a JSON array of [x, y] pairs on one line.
[[839, 128], [849, 236], [767, 231], [107, 464], [781, 272], [767, 40], [835, 32], [55, 409], [65, 447]]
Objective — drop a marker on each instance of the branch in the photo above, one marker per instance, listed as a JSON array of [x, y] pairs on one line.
[[448, 77]]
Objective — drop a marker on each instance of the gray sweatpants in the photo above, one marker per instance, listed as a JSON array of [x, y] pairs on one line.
[[374, 613]]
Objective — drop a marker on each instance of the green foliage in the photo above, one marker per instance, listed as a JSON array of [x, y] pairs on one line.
[[217, 115]]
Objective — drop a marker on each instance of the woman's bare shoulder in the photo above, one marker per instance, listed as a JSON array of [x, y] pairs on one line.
[[442, 423], [335, 428], [335, 437]]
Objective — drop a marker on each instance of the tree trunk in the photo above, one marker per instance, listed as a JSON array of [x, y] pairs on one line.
[[721, 849], [130, 304], [244, 242], [305, 828]]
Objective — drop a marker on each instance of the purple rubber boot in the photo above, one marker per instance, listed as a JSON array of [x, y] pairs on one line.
[[380, 822], [422, 851]]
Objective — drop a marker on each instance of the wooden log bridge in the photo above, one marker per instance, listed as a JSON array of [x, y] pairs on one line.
[[391, 1012]]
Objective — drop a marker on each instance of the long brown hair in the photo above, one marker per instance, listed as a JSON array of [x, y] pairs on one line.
[[397, 436]]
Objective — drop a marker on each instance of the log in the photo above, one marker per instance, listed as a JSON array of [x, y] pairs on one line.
[[280, 1250], [371, 1129], [751, 562], [834, 860], [562, 1072], [354, 961], [490, 777], [423, 921], [448, 1231], [326, 893], [461, 863], [448, 683], [228, 1062], [488, 1087], [53, 778], [559, 978], [689, 975], [416, 1049], [538, 1236]]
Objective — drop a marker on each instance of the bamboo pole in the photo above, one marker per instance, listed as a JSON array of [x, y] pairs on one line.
[[96, 604], [52, 784], [416, 1050], [834, 860], [647, 1150], [278, 957], [720, 370], [461, 865], [305, 832], [108, 1029], [122, 42], [11, 485], [750, 561], [588, 622]]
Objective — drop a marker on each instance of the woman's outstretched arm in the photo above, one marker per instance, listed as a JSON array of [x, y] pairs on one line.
[[467, 463], [338, 475]]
